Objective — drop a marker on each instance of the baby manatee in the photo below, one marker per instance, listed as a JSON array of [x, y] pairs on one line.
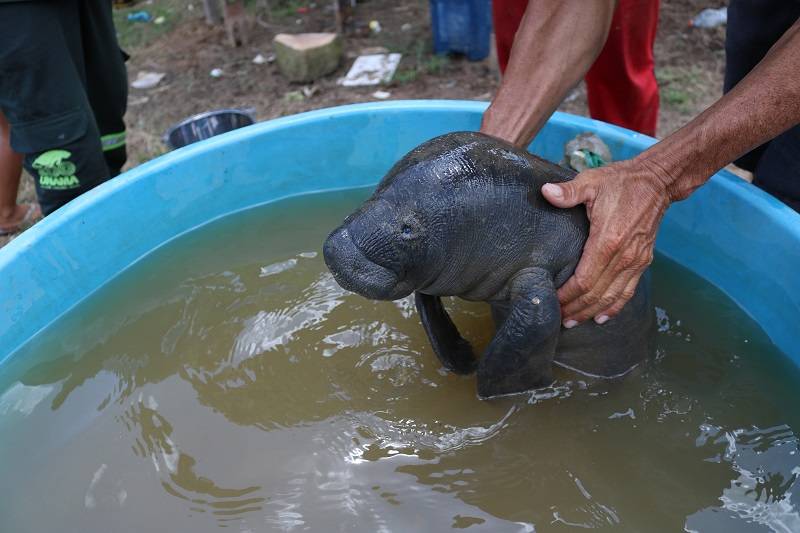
[[462, 215]]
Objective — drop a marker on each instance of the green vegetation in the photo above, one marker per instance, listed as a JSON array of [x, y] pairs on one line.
[[285, 8], [405, 75], [434, 64], [681, 87], [424, 62], [133, 34], [676, 97]]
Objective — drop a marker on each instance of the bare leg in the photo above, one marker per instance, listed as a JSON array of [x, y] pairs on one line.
[[10, 171]]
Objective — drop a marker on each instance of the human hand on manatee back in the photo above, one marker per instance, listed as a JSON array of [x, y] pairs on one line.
[[625, 203]]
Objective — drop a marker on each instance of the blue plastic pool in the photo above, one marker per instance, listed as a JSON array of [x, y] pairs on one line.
[[732, 234]]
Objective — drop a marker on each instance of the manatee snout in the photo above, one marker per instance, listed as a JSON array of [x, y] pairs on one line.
[[355, 272]]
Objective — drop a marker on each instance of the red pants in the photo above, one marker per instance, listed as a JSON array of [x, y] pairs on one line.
[[621, 84]]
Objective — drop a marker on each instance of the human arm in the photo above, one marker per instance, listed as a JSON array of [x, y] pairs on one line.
[[555, 45], [626, 201]]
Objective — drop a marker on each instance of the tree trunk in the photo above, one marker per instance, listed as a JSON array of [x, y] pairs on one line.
[[213, 12]]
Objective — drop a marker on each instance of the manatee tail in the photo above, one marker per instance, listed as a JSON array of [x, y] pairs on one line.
[[453, 351]]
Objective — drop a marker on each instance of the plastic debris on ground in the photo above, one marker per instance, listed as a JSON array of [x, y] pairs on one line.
[[294, 96], [573, 95], [371, 70], [216, 73], [381, 95], [260, 59], [139, 16], [159, 20], [710, 18], [586, 150], [309, 91], [147, 80], [375, 26], [406, 26]]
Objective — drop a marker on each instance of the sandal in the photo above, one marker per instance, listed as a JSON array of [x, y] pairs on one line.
[[32, 215]]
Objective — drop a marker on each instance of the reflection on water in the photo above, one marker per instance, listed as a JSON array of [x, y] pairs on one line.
[[228, 381]]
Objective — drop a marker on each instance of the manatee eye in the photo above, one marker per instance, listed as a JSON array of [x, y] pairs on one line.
[[410, 227]]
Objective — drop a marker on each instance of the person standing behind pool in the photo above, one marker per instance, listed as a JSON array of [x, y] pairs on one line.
[[554, 47], [63, 89], [621, 86], [754, 26], [13, 217]]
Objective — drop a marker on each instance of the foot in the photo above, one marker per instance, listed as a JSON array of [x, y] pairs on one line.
[[21, 218]]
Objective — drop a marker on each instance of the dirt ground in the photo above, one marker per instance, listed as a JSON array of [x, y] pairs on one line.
[[689, 65]]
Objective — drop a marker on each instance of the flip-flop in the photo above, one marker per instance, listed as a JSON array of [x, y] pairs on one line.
[[32, 215]]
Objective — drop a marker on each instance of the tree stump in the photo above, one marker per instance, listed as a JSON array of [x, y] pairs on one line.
[[307, 56]]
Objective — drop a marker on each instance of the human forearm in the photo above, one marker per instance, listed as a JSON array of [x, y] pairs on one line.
[[557, 42], [760, 107]]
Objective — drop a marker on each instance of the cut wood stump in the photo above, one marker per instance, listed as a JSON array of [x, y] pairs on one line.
[[307, 56]]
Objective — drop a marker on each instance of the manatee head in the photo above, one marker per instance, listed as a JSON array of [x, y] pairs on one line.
[[383, 250], [438, 220]]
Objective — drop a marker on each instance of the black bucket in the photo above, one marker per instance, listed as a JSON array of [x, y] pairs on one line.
[[206, 125]]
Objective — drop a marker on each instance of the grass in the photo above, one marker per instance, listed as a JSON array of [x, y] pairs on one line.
[[676, 97], [434, 64], [405, 75], [680, 87], [133, 34], [425, 62], [285, 8]]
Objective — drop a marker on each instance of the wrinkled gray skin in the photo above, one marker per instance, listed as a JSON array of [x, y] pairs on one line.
[[462, 215]]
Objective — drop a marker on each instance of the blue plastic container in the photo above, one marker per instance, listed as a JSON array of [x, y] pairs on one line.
[[462, 26], [730, 233]]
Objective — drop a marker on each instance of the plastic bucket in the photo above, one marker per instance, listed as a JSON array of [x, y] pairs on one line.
[[206, 125], [461, 26]]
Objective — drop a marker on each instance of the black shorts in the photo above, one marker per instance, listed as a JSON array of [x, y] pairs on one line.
[[753, 27], [63, 89]]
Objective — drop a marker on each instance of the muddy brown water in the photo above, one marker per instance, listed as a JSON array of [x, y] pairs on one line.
[[226, 381]]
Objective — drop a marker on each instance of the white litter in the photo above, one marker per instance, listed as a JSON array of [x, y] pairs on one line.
[[259, 59], [216, 73], [138, 101], [277, 268], [381, 95], [147, 80], [710, 18], [371, 70]]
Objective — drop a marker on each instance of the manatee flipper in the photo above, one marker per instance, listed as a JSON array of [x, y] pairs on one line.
[[520, 356], [453, 351]]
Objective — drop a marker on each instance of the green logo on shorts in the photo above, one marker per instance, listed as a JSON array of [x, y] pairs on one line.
[[55, 170]]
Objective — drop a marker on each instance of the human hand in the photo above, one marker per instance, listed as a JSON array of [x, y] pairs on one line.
[[625, 203]]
